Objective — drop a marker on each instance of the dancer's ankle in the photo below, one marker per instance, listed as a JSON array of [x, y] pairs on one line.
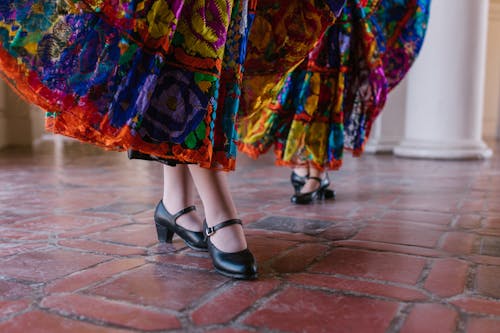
[[228, 239], [190, 221]]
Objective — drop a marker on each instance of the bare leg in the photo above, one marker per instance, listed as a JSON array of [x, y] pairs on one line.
[[301, 170], [219, 207], [312, 184], [179, 193]]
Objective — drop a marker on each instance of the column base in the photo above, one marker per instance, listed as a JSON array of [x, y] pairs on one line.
[[381, 146], [465, 150]]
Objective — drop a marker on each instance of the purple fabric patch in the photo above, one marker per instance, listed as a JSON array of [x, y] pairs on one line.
[[336, 6]]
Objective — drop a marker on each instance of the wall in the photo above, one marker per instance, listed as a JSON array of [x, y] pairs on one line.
[[491, 119], [20, 124], [3, 118]]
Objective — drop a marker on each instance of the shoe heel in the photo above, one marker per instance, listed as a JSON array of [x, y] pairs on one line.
[[297, 188], [165, 235], [329, 194]]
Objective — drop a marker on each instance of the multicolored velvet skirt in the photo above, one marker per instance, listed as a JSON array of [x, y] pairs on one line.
[[160, 78], [329, 102]]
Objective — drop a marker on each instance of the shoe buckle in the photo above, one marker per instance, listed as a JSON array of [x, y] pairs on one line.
[[209, 231]]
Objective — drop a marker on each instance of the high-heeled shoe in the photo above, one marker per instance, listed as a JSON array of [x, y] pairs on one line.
[[237, 265], [322, 192], [166, 227], [297, 181]]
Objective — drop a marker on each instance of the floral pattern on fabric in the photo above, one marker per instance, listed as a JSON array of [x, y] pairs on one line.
[[330, 101], [166, 78], [162, 78], [132, 75]]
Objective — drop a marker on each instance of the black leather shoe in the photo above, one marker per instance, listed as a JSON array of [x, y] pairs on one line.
[[297, 181], [237, 265], [322, 192], [166, 228]]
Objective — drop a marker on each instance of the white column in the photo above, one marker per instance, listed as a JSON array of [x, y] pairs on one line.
[[491, 118], [446, 86], [493, 79], [388, 130], [498, 122]]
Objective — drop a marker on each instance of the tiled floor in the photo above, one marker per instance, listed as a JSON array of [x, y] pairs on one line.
[[407, 246]]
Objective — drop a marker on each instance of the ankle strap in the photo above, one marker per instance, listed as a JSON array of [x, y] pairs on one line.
[[296, 175], [182, 212], [209, 231], [315, 178]]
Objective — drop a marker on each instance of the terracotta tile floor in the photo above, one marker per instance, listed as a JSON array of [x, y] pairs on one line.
[[407, 246]]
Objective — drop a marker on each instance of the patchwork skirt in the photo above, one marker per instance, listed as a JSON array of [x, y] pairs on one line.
[[159, 78], [329, 102]]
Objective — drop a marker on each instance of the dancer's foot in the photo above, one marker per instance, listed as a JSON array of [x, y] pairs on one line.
[[223, 230], [299, 177], [230, 239], [167, 226], [314, 188], [190, 220], [239, 264]]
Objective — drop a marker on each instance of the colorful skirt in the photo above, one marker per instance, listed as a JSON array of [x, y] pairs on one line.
[[160, 78], [329, 102]]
